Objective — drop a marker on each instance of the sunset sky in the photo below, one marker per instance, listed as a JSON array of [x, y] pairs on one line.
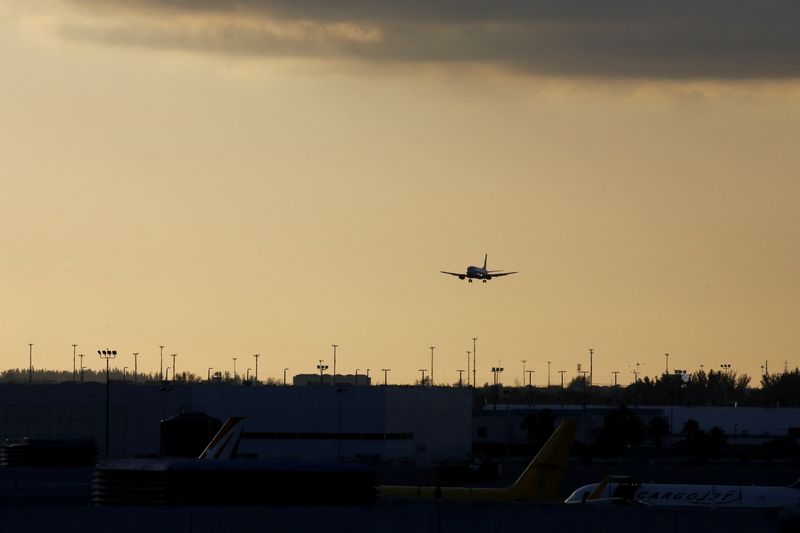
[[228, 178]]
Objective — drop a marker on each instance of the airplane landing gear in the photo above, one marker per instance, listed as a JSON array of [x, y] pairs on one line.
[[484, 281], [470, 280]]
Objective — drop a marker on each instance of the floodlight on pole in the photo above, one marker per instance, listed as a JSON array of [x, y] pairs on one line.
[[174, 368], [135, 366], [256, 355], [107, 355], [161, 364]]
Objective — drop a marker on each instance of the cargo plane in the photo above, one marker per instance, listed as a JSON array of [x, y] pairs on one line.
[[626, 490]]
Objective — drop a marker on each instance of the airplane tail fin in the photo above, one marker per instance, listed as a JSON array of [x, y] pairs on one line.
[[540, 479], [485, 258], [226, 441]]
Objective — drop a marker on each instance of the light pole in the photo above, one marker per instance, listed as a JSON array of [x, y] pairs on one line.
[[562, 388], [161, 365], [322, 368], [107, 355], [334, 363], [548, 374], [496, 371], [666, 363], [256, 355], [74, 370], [81, 356], [30, 362], [432, 348], [591, 376], [357, 369], [174, 368], [460, 376], [208, 378], [234, 367], [385, 375], [615, 372], [124, 373], [468, 352], [284, 376], [167, 374], [523, 371], [474, 360], [422, 380], [247, 375], [135, 366], [529, 372]]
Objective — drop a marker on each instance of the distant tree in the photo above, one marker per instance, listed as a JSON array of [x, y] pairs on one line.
[[657, 429], [622, 429]]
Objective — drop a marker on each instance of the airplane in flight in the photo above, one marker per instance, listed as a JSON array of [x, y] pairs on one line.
[[476, 272], [626, 490], [538, 482]]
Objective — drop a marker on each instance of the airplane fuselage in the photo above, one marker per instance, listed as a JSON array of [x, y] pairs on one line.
[[683, 495], [475, 272]]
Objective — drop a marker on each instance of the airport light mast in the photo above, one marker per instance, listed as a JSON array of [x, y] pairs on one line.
[[385, 375], [322, 368], [161, 364], [135, 366], [30, 362], [474, 360], [74, 370], [107, 355], [432, 348], [333, 381], [256, 355], [468, 352]]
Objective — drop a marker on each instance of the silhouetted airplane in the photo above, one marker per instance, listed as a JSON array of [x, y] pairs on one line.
[[475, 272], [539, 481], [626, 490]]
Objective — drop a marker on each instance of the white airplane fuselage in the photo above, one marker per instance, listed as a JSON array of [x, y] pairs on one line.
[[682, 495]]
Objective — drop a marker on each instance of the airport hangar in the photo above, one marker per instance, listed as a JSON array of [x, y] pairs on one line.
[[419, 425]]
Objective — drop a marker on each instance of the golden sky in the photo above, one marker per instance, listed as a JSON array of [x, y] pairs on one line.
[[264, 176]]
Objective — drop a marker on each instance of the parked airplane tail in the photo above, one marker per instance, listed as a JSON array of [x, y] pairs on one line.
[[226, 442], [540, 479]]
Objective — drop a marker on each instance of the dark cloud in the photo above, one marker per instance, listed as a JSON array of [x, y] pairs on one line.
[[726, 39]]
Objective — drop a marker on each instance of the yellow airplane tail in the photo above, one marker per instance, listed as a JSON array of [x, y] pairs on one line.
[[540, 479]]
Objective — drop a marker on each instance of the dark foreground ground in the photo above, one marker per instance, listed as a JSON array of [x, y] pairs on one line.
[[55, 500], [387, 517]]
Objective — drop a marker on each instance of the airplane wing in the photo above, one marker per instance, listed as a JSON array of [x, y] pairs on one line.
[[498, 274], [459, 274]]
